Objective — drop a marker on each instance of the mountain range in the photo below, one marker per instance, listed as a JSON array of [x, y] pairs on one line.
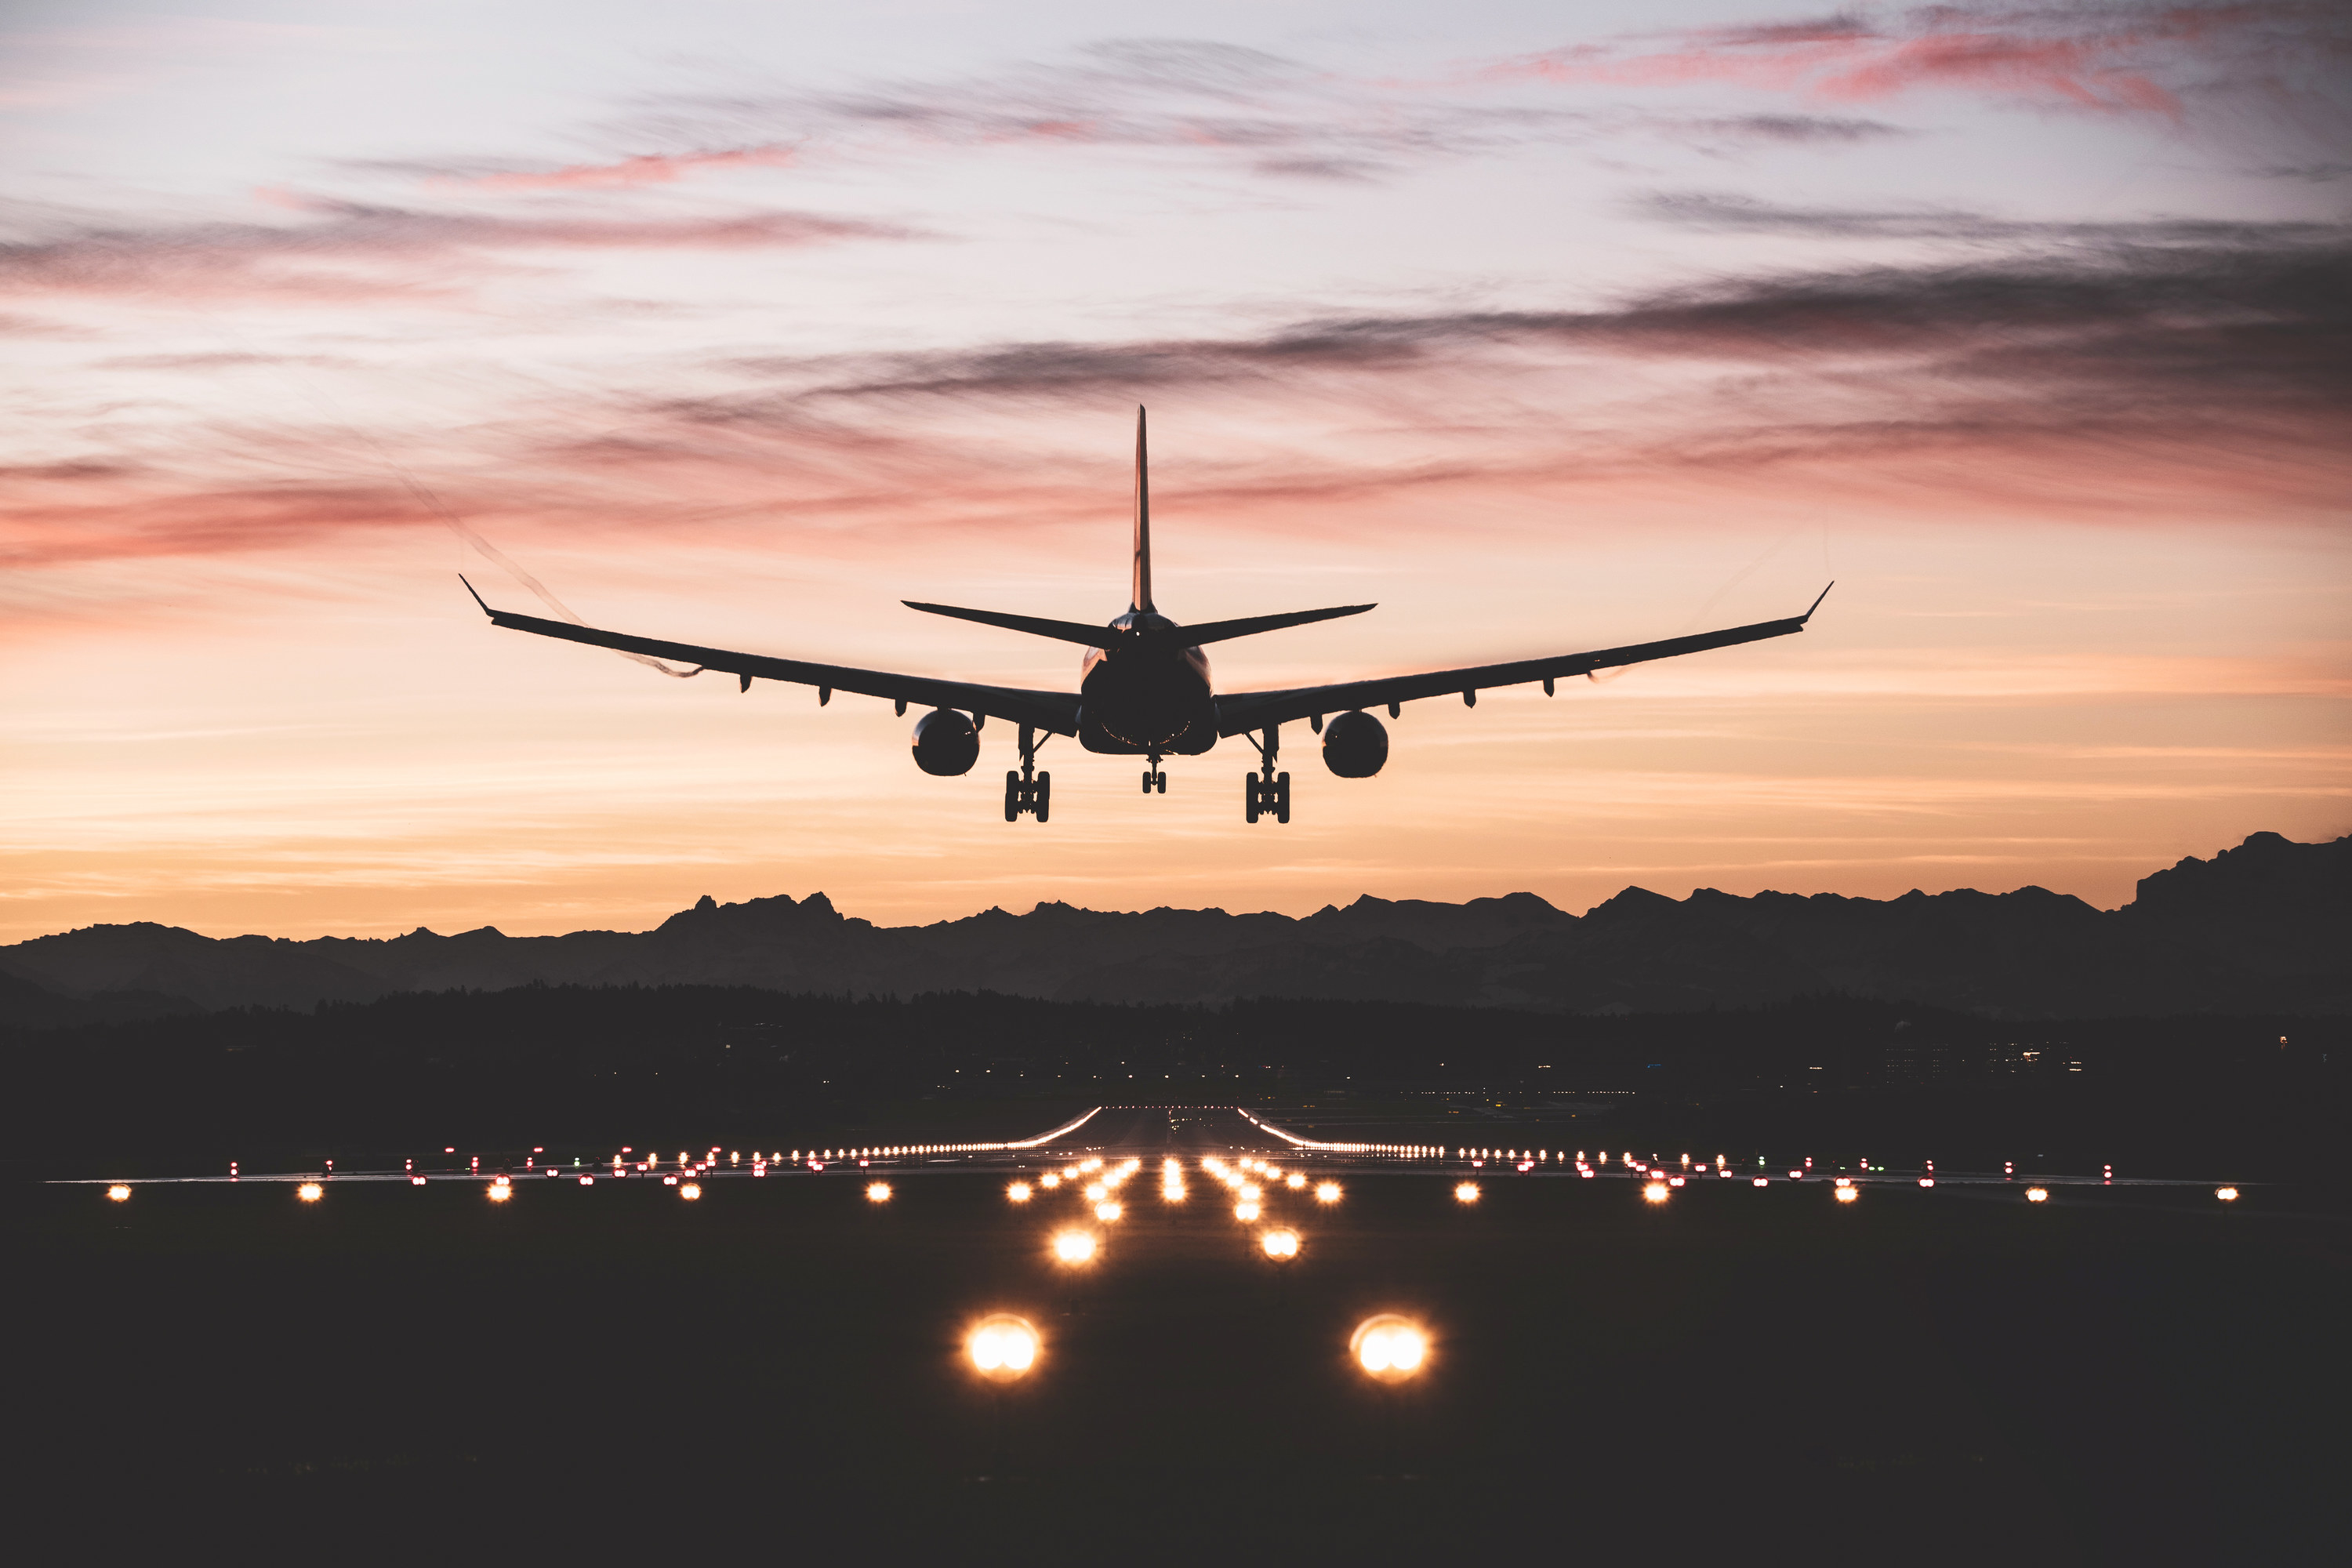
[[2265, 927]]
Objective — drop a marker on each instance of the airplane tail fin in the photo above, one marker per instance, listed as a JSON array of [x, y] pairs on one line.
[[1140, 598]]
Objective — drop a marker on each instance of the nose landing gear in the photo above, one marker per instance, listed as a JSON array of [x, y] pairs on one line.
[[1265, 792], [1155, 777], [1028, 791]]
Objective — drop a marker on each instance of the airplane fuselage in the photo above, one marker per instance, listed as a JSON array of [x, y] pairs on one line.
[[1146, 694]]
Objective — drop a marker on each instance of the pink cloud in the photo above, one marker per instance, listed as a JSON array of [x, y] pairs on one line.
[[644, 169], [2103, 61]]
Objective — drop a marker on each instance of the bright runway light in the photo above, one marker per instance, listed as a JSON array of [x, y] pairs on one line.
[[690, 1192], [122, 1193], [500, 1191], [2037, 1194], [1468, 1193], [1049, 1180], [309, 1192], [2227, 1194], [1327, 1192], [1108, 1212], [1172, 1193], [1761, 1182], [1246, 1211], [1848, 1194], [1280, 1244], [1018, 1192], [1388, 1347], [878, 1191], [1250, 1191], [1295, 1182], [1096, 1192], [1001, 1347], [1654, 1192], [1074, 1247]]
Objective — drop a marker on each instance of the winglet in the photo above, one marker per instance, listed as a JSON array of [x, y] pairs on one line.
[[477, 598], [1814, 606]]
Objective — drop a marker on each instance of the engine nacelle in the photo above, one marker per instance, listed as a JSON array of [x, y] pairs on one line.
[[945, 743], [1355, 745]]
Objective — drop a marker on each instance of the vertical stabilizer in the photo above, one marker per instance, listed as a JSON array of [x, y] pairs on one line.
[[1141, 599]]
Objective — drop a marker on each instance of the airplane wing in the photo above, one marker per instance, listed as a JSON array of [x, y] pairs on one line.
[[1243, 711], [1054, 712]]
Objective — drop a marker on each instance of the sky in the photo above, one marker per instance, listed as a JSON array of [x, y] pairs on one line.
[[1545, 328]]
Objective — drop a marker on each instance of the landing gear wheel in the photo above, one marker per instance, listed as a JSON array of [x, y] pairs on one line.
[[1249, 797], [1011, 795], [1147, 782], [1159, 781], [1044, 796], [1282, 797]]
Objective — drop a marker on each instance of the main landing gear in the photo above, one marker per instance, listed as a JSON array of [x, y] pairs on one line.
[[1265, 792], [1028, 791], [1155, 777]]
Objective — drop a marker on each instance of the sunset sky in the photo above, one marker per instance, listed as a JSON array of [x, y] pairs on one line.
[[1546, 327]]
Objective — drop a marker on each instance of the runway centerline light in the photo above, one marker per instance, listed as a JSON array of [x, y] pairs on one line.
[[1003, 1347], [121, 1194], [1074, 1247], [1388, 1347], [1467, 1193], [878, 1191]]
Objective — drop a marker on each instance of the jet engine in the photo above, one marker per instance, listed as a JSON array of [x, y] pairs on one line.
[[945, 743], [1355, 745]]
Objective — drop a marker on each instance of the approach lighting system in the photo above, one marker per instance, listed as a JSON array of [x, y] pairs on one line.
[[1280, 1245], [1108, 1212], [1467, 1193], [1656, 1192], [1389, 1348], [121, 1194], [500, 1191], [1001, 1347], [1246, 1211], [2227, 1194], [691, 1192], [309, 1192], [1848, 1194], [2037, 1194], [878, 1191], [1018, 1192], [1327, 1192], [1074, 1247]]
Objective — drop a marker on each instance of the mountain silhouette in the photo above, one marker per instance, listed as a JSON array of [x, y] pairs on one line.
[[2265, 927]]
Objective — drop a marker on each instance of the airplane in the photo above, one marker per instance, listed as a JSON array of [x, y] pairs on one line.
[[1144, 687]]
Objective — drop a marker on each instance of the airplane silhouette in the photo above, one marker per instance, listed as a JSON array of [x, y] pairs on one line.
[[1144, 687]]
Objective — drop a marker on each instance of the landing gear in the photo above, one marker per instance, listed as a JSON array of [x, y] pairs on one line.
[[1028, 791], [1155, 777], [1265, 792]]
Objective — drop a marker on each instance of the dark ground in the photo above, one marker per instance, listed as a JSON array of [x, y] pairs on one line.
[[2127, 1377]]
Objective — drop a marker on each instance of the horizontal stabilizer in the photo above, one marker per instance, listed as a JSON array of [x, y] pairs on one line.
[[1036, 625], [1250, 625]]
